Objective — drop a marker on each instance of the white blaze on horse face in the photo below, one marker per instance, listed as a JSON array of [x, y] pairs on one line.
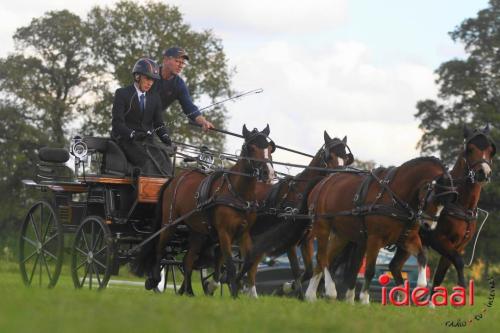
[[486, 168], [340, 161], [349, 296], [269, 166], [422, 276], [330, 290], [313, 286]]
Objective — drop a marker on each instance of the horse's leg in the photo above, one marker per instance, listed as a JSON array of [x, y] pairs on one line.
[[334, 247], [225, 242], [307, 249], [422, 267], [322, 232], [396, 266], [196, 241], [295, 267], [372, 249], [245, 246], [155, 275], [355, 257]]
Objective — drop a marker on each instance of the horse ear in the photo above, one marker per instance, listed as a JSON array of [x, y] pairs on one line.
[[467, 131], [266, 130], [344, 140], [326, 137], [245, 131], [486, 129]]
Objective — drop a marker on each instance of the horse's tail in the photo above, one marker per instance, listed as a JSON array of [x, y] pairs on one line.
[[145, 261], [349, 258], [278, 239]]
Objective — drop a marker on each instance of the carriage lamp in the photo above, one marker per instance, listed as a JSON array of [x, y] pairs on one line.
[[79, 148]]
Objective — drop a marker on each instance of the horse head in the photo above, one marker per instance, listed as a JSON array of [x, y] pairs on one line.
[[435, 191], [336, 152], [479, 149], [258, 147]]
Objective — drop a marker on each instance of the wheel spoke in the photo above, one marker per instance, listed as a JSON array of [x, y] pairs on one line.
[[79, 266], [81, 251], [37, 235], [47, 229], [100, 263], [98, 240], [50, 254], [50, 239], [99, 252], [29, 257], [84, 275], [85, 240], [47, 267], [34, 269], [30, 241], [90, 277], [93, 238], [97, 275]]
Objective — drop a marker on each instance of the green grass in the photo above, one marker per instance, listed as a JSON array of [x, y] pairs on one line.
[[132, 309]]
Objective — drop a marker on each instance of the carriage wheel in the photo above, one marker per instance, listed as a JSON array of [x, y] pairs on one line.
[[41, 246], [92, 254]]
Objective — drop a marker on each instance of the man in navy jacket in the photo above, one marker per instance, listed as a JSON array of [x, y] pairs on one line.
[[137, 117], [171, 86]]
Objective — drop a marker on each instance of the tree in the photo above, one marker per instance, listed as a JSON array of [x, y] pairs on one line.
[[469, 93], [61, 75], [51, 74], [128, 31]]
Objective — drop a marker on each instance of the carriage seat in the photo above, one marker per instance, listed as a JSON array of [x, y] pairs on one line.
[[52, 165], [114, 161]]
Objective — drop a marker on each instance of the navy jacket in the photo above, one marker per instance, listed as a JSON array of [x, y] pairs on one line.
[[176, 89], [128, 117]]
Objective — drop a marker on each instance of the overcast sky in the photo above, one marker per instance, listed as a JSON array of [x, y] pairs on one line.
[[352, 67]]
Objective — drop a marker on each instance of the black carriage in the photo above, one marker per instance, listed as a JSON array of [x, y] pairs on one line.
[[106, 203]]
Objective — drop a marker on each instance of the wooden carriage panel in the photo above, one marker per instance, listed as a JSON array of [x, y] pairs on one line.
[[149, 189]]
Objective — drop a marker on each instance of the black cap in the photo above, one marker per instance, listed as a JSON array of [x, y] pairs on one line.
[[176, 52]]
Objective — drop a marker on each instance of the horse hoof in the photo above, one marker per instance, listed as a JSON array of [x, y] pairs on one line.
[[150, 283]]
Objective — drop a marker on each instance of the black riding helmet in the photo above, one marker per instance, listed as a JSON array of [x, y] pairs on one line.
[[148, 67]]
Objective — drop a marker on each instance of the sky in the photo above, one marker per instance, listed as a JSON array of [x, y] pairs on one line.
[[350, 67]]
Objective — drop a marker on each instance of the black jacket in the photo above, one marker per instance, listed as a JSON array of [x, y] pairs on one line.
[[128, 117]]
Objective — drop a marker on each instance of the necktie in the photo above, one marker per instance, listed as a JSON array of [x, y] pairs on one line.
[[142, 102]]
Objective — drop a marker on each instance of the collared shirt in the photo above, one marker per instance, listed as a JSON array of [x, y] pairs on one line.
[[139, 93]]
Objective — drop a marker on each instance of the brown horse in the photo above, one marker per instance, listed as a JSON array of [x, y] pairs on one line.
[[276, 230], [457, 223], [374, 211], [220, 207]]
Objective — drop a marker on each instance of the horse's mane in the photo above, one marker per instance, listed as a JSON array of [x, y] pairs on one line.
[[424, 159]]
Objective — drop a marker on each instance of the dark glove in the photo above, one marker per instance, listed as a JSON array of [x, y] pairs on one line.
[[166, 139], [140, 135]]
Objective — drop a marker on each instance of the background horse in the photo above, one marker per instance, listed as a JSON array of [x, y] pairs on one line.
[[375, 211], [276, 232], [457, 223], [219, 207]]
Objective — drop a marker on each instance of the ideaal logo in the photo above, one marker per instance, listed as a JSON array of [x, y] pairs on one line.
[[420, 295]]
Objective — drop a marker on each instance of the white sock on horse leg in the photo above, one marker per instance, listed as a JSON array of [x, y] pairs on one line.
[[349, 296], [313, 286], [330, 290]]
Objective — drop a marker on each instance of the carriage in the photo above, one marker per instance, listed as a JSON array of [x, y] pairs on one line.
[[105, 203]]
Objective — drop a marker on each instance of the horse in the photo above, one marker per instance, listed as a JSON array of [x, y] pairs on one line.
[[458, 221], [275, 230], [219, 207], [376, 210]]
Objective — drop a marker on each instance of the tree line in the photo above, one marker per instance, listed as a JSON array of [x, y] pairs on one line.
[[65, 68]]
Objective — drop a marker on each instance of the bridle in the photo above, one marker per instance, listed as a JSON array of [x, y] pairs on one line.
[[435, 192], [256, 165]]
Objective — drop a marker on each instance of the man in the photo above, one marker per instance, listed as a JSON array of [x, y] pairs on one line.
[[172, 87], [137, 116]]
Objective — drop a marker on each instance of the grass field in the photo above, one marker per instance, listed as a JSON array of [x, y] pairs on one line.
[[132, 309]]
